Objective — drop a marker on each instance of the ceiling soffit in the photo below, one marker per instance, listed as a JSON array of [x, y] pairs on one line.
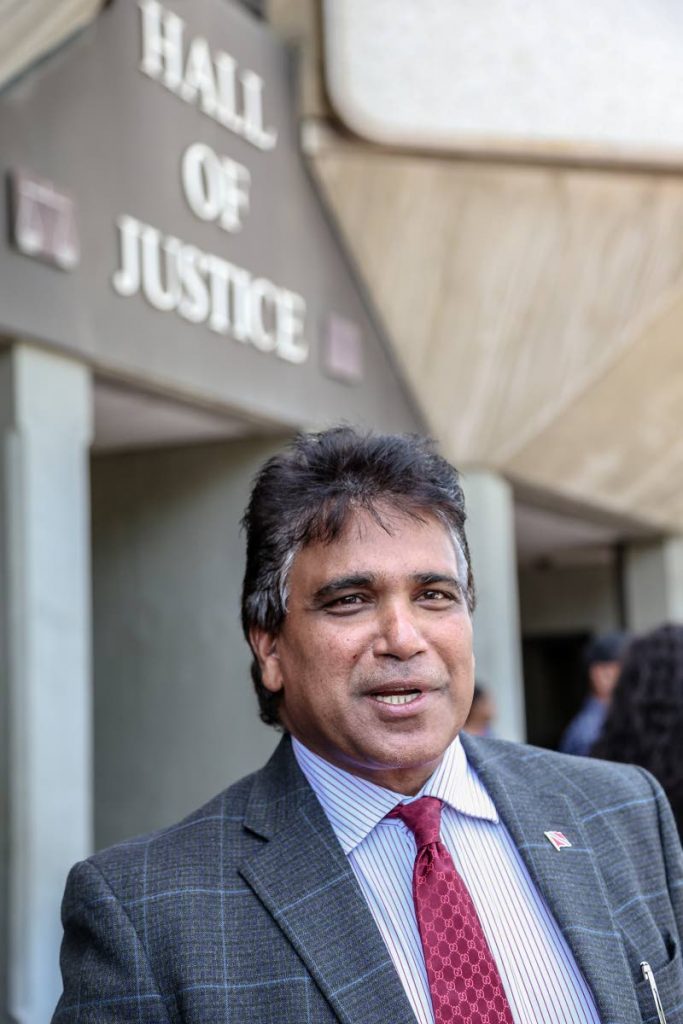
[[31, 28], [623, 436], [522, 302]]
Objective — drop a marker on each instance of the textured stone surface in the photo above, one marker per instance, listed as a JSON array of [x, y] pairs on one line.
[[536, 312], [32, 28]]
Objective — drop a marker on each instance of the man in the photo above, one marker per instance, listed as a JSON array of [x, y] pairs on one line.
[[380, 869], [603, 657]]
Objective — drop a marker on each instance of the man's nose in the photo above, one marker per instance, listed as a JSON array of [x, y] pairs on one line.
[[399, 635]]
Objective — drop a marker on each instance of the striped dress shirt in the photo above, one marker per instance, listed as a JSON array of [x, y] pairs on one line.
[[541, 977]]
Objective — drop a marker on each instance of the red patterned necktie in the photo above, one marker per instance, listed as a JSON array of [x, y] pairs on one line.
[[463, 978]]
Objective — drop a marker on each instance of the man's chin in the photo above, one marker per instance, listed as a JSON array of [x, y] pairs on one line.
[[403, 768]]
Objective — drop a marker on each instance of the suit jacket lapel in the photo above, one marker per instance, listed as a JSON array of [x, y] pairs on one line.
[[568, 879], [303, 878]]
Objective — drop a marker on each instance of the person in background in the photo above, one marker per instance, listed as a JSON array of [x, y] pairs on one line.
[[482, 713], [603, 663], [644, 725]]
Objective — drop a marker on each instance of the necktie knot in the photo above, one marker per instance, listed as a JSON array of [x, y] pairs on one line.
[[423, 818]]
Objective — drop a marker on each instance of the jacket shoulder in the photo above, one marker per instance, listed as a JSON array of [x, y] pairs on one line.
[[193, 851], [598, 780]]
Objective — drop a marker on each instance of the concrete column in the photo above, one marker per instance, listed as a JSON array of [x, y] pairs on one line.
[[45, 692], [654, 583], [497, 642]]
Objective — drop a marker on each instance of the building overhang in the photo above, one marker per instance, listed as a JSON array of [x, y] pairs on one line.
[[534, 298], [33, 28]]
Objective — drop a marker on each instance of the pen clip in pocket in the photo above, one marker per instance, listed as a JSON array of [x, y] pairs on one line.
[[649, 976]]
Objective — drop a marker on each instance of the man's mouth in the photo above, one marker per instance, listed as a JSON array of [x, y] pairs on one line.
[[397, 696]]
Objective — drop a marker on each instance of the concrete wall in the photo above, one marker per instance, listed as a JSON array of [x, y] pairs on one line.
[[654, 583], [175, 715], [45, 735], [490, 533], [568, 599]]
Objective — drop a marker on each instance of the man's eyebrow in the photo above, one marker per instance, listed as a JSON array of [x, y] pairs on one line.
[[333, 587], [430, 578]]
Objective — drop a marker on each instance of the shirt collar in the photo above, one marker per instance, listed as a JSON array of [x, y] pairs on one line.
[[355, 806]]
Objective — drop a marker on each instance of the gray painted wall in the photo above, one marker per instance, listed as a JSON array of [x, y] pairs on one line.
[[568, 599], [176, 718], [490, 534], [45, 428], [5, 736], [89, 121], [654, 583]]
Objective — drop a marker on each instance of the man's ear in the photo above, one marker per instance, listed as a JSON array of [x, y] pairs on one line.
[[264, 646]]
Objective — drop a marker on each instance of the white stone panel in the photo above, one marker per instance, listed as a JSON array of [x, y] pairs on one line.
[[568, 77]]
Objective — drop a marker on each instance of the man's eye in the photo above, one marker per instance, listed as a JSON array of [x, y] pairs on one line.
[[346, 601], [438, 596]]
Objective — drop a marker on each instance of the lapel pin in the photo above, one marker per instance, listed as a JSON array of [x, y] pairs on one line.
[[558, 839]]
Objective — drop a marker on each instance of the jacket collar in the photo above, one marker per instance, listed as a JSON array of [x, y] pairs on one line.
[[532, 799], [303, 878]]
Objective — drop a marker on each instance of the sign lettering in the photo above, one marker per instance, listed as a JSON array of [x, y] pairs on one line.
[[216, 187], [213, 82], [174, 276], [204, 288]]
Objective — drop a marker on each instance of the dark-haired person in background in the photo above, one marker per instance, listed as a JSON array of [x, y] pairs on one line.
[[644, 725], [602, 659], [381, 868]]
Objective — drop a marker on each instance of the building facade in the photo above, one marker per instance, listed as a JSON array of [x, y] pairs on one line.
[[226, 222]]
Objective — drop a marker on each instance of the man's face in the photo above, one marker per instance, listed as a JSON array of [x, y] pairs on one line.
[[374, 659]]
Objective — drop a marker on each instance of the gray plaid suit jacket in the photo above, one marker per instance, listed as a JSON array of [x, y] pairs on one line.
[[248, 912]]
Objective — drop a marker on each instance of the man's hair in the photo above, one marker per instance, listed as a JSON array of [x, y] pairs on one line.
[[306, 495]]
